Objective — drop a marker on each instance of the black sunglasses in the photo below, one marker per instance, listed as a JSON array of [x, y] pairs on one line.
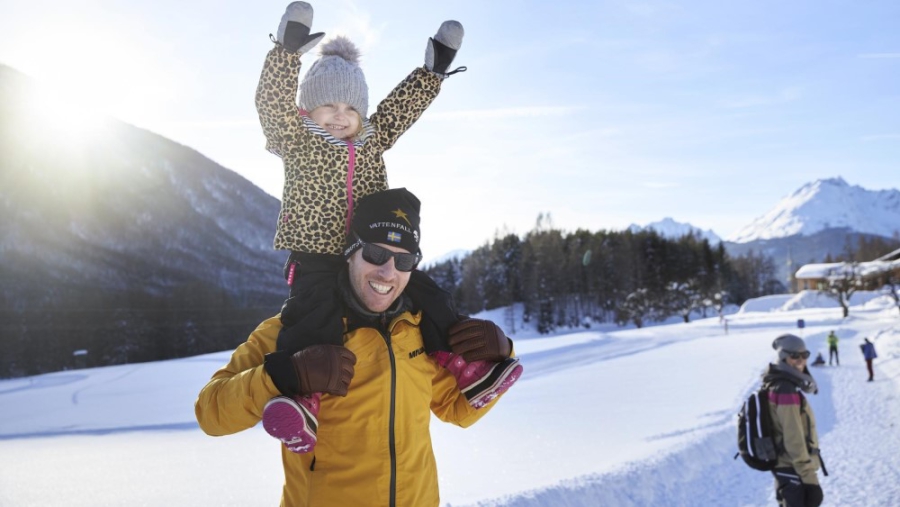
[[378, 255], [798, 355]]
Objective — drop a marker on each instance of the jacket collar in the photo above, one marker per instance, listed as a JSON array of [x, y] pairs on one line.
[[782, 372], [358, 142]]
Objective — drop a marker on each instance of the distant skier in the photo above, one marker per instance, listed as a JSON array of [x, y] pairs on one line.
[[868, 350], [833, 348], [794, 425]]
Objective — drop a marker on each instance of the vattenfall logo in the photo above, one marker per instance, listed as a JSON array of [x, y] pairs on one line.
[[417, 352]]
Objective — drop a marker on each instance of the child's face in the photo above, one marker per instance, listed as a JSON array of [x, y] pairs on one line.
[[338, 119]]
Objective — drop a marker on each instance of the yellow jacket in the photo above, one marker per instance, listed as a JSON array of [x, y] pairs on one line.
[[374, 445]]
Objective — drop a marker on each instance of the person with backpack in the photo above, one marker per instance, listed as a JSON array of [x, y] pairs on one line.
[[793, 424]]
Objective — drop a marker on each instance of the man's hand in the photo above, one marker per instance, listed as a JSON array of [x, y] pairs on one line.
[[324, 369], [479, 340], [315, 369]]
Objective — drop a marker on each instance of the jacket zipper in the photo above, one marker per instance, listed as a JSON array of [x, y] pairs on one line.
[[391, 435]]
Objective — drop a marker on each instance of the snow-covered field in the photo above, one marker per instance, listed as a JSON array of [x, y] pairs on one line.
[[604, 416]]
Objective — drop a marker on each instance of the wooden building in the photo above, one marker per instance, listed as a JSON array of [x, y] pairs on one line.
[[873, 274]]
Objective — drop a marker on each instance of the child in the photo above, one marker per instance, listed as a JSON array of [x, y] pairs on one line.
[[332, 153], [819, 361]]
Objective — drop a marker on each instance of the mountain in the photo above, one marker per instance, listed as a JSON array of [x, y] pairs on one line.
[[827, 217], [121, 242], [671, 229], [827, 204]]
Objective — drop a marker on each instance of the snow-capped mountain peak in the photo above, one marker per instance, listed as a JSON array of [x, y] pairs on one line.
[[669, 228], [827, 204]]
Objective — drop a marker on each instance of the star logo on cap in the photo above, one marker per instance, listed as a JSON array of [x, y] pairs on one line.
[[399, 213]]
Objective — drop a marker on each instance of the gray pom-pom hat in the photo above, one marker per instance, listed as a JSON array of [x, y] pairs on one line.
[[336, 77]]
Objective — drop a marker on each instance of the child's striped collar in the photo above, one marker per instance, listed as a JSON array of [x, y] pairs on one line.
[[359, 141]]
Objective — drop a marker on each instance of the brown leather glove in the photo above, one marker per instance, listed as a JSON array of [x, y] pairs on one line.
[[315, 369], [479, 340], [324, 369]]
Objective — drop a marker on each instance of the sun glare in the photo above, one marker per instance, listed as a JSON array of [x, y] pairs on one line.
[[66, 121], [100, 74]]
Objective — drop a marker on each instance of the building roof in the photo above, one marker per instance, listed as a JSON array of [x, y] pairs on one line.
[[842, 269], [891, 256]]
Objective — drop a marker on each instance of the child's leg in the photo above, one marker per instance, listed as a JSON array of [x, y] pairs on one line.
[[479, 381], [312, 315]]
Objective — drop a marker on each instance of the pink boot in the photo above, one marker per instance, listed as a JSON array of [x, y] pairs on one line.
[[293, 421], [480, 381]]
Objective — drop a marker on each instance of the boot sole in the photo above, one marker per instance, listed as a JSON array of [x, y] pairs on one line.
[[494, 383], [292, 423]]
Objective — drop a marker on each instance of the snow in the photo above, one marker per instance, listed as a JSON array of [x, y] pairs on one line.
[[603, 416], [812, 298], [840, 269], [825, 204], [766, 303]]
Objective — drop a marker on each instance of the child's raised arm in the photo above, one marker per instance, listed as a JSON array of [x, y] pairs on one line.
[[276, 92], [406, 103]]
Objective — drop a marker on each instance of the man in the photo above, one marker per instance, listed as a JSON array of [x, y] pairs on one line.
[[868, 350], [373, 442], [793, 424], [833, 348]]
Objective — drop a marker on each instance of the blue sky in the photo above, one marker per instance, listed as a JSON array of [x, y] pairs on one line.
[[602, 113]]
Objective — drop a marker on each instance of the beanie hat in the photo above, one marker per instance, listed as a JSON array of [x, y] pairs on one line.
[[390, 217], [787, 344], [336, 77]]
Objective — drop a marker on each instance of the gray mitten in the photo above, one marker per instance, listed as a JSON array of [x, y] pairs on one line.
[[293, 32], [442, 48]]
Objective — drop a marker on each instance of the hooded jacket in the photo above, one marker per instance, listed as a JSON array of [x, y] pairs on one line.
[[868, 350], [793, 421], [318, 168], [374, 445]]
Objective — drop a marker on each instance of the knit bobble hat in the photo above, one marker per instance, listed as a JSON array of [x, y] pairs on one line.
[[336, 77], [390, 217], [787, 344]]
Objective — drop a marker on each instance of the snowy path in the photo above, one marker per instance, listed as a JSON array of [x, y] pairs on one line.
[[861, 450], [859, 427], [633, 417]]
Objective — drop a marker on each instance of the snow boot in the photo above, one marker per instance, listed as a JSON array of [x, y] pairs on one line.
[[293, 421], [480, 381]]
